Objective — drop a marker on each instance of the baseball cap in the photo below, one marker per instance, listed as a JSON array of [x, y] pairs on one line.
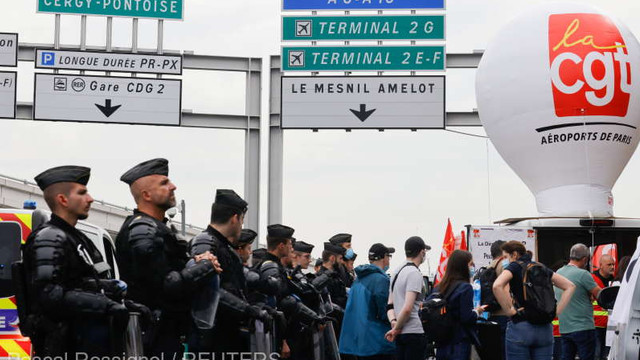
[[414, 245], [377, 251]]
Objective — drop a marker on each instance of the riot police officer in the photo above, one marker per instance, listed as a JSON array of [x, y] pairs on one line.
[[230, 333], [276, 286], [63, 278], [344, 240], [331, 258], [243, 248], [152, 260], [300, 336]]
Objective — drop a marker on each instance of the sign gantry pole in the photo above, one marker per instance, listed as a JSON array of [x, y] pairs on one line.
[[109, 39], [83, 36], [56, 36], [134, 39], [160, 40]]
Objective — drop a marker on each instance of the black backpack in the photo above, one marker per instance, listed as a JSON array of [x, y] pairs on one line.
[[438, 323], [539, 298], [487, 276]]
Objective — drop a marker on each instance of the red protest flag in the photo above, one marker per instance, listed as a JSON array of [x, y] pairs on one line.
[[448, 245]]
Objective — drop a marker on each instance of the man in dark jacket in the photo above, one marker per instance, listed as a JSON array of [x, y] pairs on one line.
[[365, 321], [230, 333], [66, 277], [152, 260], [331, 258], [344, 240]]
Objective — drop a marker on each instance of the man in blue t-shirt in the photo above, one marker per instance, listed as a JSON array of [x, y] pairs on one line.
[[576, 322]]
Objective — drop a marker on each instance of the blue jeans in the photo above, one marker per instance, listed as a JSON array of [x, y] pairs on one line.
[[526, 341], [411, 346], [582, 343]]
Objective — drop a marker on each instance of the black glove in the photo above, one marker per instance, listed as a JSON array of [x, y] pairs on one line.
[[115, 290], [119, 315], [146, 317]]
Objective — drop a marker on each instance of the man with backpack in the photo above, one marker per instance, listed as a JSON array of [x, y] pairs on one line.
[[533, 306], [577, 327], [487, 276], [406, 293]]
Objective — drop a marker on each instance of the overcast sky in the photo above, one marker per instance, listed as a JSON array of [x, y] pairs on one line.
[[381, 187]]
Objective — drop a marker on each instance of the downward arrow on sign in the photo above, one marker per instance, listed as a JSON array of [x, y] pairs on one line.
[[363, 114], [107, 109]]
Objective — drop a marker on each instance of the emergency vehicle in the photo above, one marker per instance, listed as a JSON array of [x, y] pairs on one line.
[[15, 227], [550, 239]]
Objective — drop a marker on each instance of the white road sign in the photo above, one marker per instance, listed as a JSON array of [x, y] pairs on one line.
[[107, 99], [8, 49], [363, 102], [8, 94], [103, 61]]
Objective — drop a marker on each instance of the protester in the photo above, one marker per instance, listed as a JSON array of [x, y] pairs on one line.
[[603, 277], [458, 293], [557, 338], [527, 338], [405, 295], [576, 322], [365, 321], [497, 315]]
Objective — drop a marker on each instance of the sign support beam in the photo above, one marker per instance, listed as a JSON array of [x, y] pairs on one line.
[[249, 122]]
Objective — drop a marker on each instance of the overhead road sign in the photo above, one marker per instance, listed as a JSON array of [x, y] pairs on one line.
[[382, 27], [8, 94], [8, 49], [155, 9], [107, 99], [363, 58], [361, 4], [103, 61], [363, 102]]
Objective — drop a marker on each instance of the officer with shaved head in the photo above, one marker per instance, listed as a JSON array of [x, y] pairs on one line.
[[152, 259]]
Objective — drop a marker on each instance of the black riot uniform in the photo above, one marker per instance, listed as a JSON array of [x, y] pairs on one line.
[[336, 286], [230, 333], [152, 261], [64, 279], [343, 272], [278, 286], [300, 335]]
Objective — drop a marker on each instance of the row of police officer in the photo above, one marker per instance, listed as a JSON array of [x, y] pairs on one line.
[[69, 302]]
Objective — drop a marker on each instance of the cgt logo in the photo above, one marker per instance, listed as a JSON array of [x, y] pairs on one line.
[[590, 70]]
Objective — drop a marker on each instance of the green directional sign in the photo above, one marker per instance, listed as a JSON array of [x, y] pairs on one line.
[[398, 27], [156, 9], [363, 58]]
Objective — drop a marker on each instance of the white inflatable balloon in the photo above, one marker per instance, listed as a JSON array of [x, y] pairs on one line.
[[558, 93]]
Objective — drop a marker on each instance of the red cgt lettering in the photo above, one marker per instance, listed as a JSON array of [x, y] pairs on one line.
[[590, 71]]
